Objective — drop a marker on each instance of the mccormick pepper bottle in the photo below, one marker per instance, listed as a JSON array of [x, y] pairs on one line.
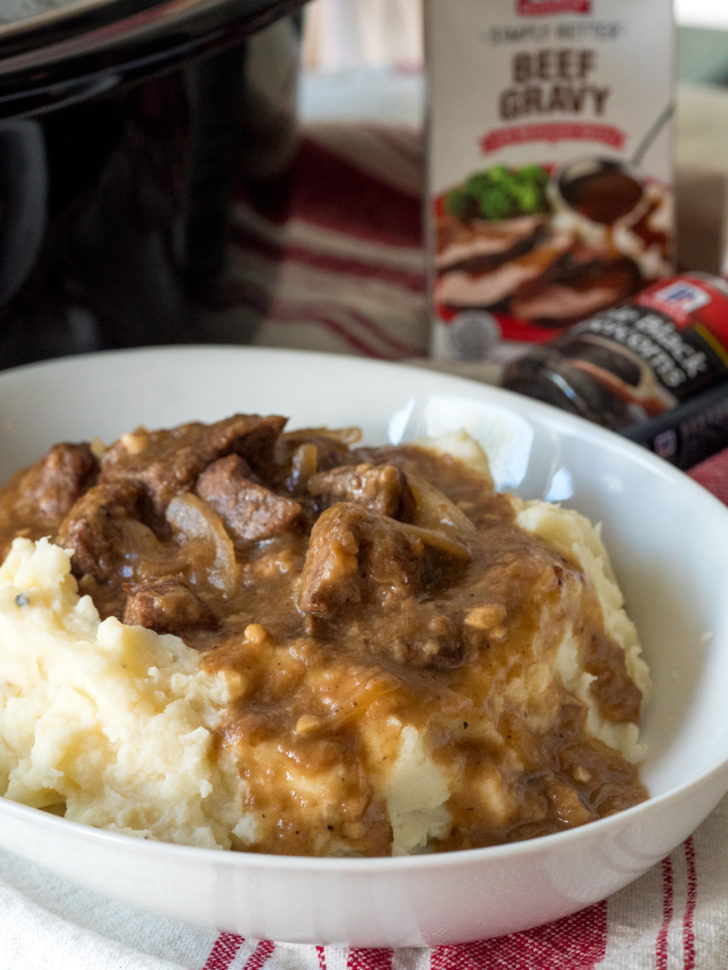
[[650, 356]]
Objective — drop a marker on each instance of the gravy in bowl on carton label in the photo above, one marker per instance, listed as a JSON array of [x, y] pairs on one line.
[[549, 190]]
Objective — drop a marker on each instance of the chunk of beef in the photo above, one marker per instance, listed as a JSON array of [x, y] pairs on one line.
[[379, 488], [96, 528], [52, 485], [166, 605], [250, 511], [358, 556], [169, 462]]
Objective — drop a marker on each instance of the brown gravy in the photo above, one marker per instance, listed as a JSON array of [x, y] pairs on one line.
[[369, 588], [604, 195]]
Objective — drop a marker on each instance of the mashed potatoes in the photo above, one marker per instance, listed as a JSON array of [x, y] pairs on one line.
[[125, 728], [108, 724]]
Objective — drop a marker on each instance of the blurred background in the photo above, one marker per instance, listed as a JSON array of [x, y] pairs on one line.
[[252, 172]]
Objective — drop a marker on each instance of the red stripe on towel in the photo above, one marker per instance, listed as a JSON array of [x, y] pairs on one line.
[[358, 268], [407, 142], [577, 942], [667, 903], [223, 951], [239, 293], [301, 314], [688, 924], [369, 959], [260, 956], [320, 192]]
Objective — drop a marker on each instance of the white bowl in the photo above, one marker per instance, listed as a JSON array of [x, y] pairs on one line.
[[669, 542]]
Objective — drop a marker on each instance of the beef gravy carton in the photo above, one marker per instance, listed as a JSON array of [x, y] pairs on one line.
[[549, 165]]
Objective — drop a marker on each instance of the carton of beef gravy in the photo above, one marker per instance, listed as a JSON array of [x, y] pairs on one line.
[[549, 156]]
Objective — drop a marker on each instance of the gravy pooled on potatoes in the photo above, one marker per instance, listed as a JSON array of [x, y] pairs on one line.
[[414, 662]]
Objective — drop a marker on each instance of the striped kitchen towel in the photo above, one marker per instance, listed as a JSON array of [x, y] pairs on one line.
[[330, 257], [676, 916]]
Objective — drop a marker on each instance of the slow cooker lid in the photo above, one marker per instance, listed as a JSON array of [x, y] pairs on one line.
[[27, 22], [18, 12], [65, 45]]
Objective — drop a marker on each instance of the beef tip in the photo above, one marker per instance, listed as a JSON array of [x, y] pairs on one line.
[[169, 462], [358, 557], [52, 485], [250, 511], [166, 605], [379, 488], [94, 529]]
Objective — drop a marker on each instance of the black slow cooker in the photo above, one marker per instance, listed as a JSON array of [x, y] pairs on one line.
[[123, 130]]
